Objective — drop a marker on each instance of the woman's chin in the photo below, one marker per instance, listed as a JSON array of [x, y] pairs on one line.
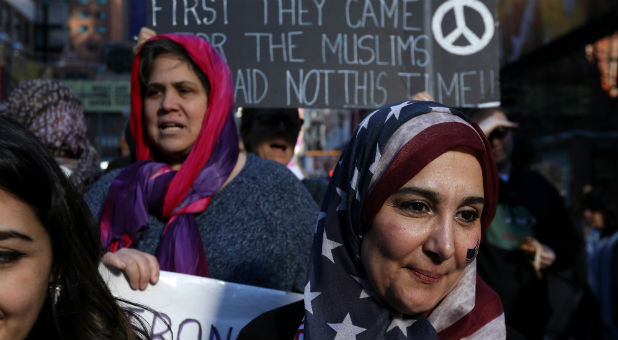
[[412, 301]]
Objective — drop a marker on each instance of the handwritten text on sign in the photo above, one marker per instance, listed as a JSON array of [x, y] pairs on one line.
[[196, 307], [345, 53]]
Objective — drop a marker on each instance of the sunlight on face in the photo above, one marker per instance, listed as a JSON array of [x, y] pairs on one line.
[[415, 250], [25, 267], [175, 103]]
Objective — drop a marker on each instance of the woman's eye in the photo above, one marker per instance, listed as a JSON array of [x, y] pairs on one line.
[[468, 216], [415, 207], [152, 92], [9, 256]]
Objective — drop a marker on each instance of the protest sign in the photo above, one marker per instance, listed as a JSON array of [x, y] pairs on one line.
[[346, 54], [196, 307]]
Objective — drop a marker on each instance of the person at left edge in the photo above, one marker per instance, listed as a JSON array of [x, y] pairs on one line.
[[193, 202], [50, 286]]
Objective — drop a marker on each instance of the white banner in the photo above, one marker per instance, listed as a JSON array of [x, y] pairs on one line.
[[197, 307]]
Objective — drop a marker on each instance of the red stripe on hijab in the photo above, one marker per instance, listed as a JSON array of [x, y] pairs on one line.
[[487, 306], [425, 147]]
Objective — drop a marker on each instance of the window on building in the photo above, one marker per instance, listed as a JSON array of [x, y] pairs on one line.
[[101, 2], [82, 29], [83, 14], [101, 29], [83, 2], [100, 15]]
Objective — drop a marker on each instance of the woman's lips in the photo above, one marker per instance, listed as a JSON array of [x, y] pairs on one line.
[[425, 276], [170, 128]]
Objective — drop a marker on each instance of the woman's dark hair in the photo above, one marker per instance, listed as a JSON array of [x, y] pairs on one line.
[[85, 308], [154, 48]]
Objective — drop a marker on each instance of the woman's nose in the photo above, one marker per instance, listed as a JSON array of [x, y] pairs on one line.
[[440, 243], [169, 101]]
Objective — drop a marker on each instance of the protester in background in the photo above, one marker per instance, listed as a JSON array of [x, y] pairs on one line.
[[54, 113], [394, 254], [126, 150], [531, 236], [50, 287], [601, 215], [272, 134], [193, 203]]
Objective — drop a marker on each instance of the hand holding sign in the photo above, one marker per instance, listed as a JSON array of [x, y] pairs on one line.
[[145, 33], [141, 268]]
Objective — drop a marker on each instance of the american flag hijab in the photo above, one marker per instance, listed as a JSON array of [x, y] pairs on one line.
[[151, 186], [390, 146]]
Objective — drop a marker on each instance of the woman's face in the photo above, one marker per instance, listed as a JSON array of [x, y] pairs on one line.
[[25, 267], [426, 233], [174, 106]]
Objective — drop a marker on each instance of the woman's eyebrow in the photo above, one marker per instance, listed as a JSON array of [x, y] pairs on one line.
[[473, 200], [176, 84], [431, 195], [435, 197], [154, 85], [183, 83], [5, 235]]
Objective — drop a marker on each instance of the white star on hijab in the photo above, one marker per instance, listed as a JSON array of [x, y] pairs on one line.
[[328, 246], [401, 324], [362, 283], [354, 181], [374, 165], [346, 330], [309, 296], [365, 123], [395, 110]]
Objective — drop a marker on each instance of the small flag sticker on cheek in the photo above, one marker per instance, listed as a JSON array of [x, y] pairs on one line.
[[471, 254]]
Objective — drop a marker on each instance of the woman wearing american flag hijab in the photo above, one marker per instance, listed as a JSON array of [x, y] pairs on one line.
[[395, 244]]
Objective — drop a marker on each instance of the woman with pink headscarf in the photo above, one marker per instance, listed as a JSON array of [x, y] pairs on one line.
[[193, 202]]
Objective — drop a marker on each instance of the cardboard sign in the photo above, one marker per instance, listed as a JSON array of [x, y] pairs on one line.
[[346, 53], [196, 307]]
